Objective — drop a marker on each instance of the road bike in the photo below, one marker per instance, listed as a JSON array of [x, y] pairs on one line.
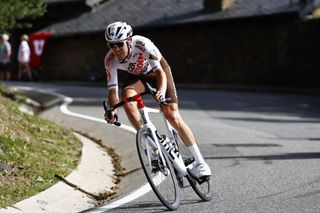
[[165, 160]]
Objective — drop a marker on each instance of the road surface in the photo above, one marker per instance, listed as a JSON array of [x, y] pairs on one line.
[[263, 148]]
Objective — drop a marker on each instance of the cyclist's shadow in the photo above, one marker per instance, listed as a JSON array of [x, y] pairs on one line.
[[142, 207], [150, 206]]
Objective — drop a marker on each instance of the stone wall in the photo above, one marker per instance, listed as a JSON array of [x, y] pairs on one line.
[[74, 58], [267, 51]]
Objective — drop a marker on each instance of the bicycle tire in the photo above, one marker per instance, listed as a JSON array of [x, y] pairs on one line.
[[162, 180], [204, 190]]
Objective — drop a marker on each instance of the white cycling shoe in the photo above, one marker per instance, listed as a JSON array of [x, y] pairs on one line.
[[203, 170]]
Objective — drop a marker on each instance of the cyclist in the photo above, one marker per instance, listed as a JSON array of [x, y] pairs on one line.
[[143, 62]]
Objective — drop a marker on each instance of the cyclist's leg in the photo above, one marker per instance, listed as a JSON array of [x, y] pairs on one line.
[[131, 87], [171, 112]]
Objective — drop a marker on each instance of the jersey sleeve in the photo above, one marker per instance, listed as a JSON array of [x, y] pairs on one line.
[[111, 71], [152, 54]]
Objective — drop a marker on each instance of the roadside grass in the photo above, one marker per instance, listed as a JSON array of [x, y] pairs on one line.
[[32, 151]]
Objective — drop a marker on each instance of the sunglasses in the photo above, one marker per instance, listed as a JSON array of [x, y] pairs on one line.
[[115, 44]]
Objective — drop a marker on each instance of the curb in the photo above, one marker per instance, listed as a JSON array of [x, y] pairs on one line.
[[94, 174]]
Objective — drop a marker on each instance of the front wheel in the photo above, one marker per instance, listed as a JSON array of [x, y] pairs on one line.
[[159, 171], [204, 190]]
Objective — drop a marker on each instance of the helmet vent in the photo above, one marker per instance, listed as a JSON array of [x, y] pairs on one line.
[[118, 31]]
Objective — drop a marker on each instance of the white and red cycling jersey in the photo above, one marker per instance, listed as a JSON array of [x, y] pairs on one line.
[[144, 57]]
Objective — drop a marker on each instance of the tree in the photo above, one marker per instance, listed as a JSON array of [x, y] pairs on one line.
[[16, 14]]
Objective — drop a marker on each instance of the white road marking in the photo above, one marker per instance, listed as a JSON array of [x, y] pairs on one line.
[[64, 109]]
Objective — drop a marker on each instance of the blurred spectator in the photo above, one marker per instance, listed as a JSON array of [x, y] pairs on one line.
[[5, 55], [24, 58]]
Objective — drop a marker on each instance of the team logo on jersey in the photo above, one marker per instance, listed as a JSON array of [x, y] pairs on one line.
[[138, 66], [140, 45]]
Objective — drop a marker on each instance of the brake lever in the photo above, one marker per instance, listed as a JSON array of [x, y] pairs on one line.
[[153, 91]]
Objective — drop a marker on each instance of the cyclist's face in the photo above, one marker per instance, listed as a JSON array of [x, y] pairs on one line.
[[120, 51]]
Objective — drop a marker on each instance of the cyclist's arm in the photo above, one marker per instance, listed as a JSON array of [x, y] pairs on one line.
[[153, 55], [160, 76], [161, 80], [155, 59], [112, 79], [113, 97]]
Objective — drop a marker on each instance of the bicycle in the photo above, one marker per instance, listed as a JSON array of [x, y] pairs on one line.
[[164, 158]]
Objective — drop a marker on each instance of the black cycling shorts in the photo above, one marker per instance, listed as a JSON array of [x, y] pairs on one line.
[[136, 82]]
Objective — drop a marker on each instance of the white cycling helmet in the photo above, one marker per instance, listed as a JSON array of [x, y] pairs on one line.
[[118, 31]]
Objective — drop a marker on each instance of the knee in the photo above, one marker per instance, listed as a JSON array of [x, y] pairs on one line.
[[174, 118], [130, 107]]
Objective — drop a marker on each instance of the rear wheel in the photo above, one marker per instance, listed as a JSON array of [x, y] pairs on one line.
[[158, 171], [204, 190]]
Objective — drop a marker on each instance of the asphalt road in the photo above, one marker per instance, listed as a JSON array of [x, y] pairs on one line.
[[263, 148]]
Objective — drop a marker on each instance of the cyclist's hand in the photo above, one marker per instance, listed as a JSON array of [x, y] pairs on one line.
[[159, 97], [111, 117]]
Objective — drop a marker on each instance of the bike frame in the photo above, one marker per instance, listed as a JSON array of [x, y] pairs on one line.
[[174, 157]]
